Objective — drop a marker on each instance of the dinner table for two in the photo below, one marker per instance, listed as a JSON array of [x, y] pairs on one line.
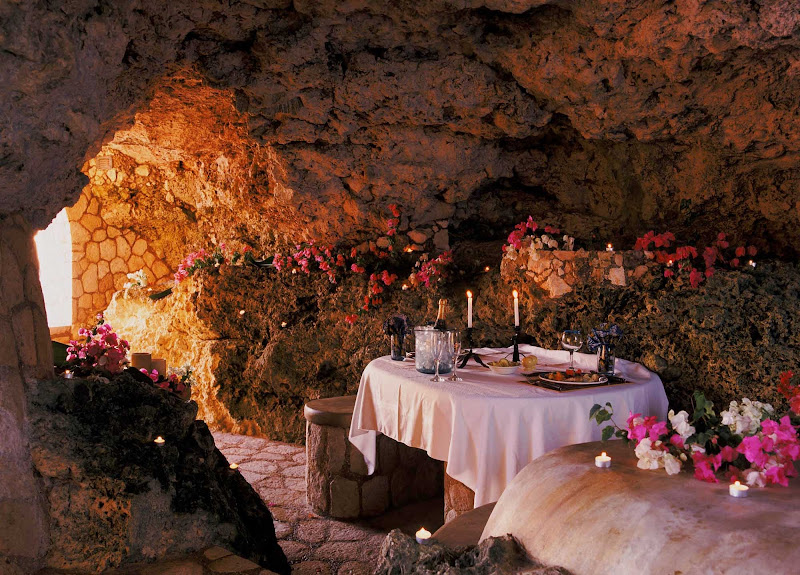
[[489, 426]]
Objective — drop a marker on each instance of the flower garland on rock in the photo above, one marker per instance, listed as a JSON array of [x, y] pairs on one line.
[[101, 349], [528, 234], [431, 272], [202, 259], [689, 260], [746, 442], [178, 381]]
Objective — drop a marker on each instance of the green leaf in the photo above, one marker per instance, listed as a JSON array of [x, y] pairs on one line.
[[595, 409], [608, 431], [602, 416]]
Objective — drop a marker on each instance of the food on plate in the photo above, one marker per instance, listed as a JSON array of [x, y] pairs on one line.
[[504, 363], [574, 377], [529, 362]]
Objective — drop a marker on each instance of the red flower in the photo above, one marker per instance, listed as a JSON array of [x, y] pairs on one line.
[[740, 251], [751, 251], [668, 273], [351, 318], [695, 277], [394, 210]]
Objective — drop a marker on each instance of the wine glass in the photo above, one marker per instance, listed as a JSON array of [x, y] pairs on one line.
[[440, 339], [455, 346], [571, 340]]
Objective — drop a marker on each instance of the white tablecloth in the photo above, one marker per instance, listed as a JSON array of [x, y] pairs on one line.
[[488, 427]]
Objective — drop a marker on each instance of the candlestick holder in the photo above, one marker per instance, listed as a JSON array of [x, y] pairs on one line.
[[471, 354], [515, 342]]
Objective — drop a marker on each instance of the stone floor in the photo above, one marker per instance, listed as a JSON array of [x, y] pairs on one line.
[[313, 544]]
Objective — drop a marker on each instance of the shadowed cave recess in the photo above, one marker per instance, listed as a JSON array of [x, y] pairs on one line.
[[424, 127]]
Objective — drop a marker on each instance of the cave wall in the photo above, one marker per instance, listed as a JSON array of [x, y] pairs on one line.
[[608, 118], [264, 343], [25, 352]]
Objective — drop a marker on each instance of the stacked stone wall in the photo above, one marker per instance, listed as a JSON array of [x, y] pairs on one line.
[[103, 254], [25, 352]]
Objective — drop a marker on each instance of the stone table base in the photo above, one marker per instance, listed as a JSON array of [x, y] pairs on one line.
[[458, 498]]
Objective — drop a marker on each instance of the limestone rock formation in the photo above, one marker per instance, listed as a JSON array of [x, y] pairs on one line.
[[278, 121], [265, 343], [115, 497], [494, 556]]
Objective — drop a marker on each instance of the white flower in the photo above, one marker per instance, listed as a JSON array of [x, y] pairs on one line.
[[755, 478], [138, 278], [672, 464], [552, 244], [680, 423], [745, 419], [648, 458]]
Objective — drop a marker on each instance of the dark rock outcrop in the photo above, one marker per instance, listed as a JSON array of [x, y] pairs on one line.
[[114, 497], [401, 555]]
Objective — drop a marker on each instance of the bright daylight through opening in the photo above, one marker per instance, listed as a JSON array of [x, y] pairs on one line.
[[54, 247]]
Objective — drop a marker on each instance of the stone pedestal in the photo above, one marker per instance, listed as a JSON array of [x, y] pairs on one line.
[[336, 474], [458, 498]]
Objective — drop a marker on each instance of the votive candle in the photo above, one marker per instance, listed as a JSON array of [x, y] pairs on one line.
[[738, 490], [609, 248], [602, 460], [159, 441], [141, 360], [423, 536], [469, 309]]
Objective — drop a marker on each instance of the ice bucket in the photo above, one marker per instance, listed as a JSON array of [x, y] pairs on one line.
[[423, 351]]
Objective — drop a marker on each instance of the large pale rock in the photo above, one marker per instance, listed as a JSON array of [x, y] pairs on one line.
[[627, 521]]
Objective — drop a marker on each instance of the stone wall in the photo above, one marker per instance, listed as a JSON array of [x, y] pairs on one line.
[[25, 352], [103, 253], [558, 272]]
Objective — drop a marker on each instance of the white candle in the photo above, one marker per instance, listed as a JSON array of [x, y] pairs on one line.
[[159, 441], [738, 490], [516, 308], [469, 309], [423, 536], [602, 460], [67, 374], [609, 248]]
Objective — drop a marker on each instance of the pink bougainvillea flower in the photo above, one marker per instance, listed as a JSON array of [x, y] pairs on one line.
[[741, 251], [695, 277], [703, 467], [753, 450]]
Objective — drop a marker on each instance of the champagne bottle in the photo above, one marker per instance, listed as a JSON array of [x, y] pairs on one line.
[[441, 323]]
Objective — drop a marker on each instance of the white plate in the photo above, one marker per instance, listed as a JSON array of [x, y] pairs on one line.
[[603, 379]]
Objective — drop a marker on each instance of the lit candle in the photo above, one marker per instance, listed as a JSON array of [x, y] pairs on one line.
[[602, 460], [669, 263], [234, 466], [67, 374], [159, 441], [241, 312], [738, 490], [405, 287], [752, 263], [516, 308], [423, 536], [469, 309], [486, 269], [609, 248]]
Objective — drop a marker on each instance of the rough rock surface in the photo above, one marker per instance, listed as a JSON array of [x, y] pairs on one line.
[[115, 497], [606, 117], [401, 554], [730, 338]]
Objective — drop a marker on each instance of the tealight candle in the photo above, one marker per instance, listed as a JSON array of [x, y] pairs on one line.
[[516, 308], [67, 374], [159, 441], [423, 536], [486, 269], [469, 309], [609, 248], [738, 490], [752, 263], [602, 460], [234, 466]]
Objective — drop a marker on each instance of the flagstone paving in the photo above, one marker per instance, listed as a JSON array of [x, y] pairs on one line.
[[314, 544]]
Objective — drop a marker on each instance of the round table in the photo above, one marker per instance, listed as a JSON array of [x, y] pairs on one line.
[[489, 426]]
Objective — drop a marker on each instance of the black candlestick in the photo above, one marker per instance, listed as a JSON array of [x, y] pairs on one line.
[[471, 353], [514, 340]]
